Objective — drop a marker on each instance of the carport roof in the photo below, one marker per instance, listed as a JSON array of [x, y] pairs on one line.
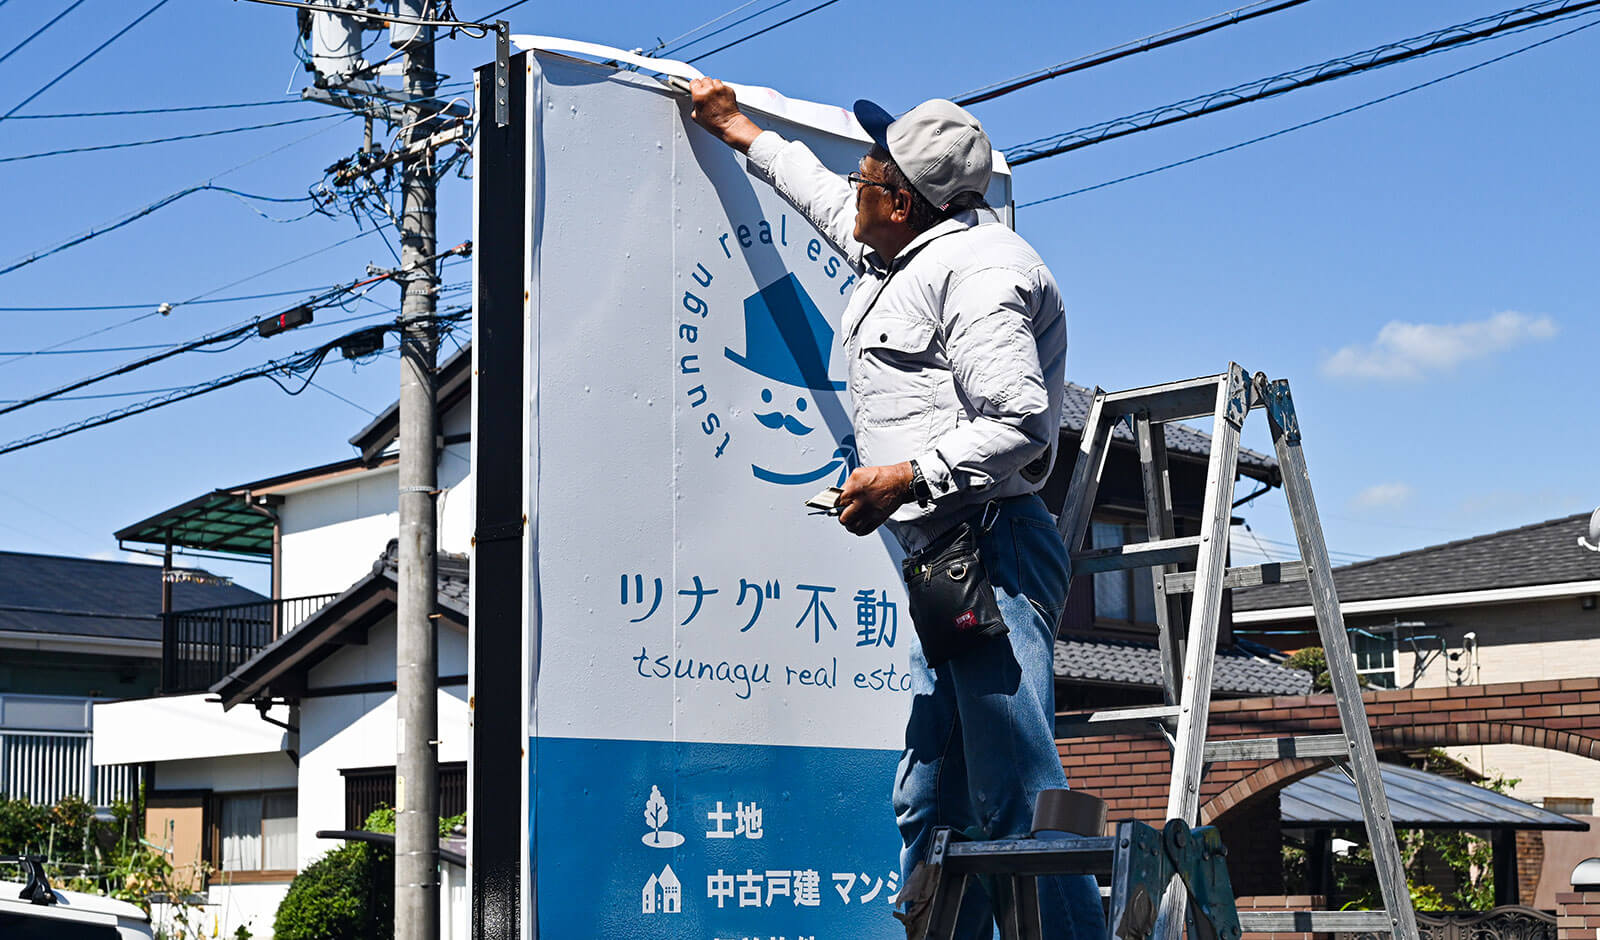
[[1417, 800]]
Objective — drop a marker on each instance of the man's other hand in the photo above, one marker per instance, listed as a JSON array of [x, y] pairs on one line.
[[716, 109], [872, 494]]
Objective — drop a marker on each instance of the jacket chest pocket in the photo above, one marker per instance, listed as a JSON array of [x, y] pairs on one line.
[[897, 373], [898, 341]]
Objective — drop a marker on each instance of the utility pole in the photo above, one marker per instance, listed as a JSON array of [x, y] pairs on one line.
[[416, 862], [346, 80]]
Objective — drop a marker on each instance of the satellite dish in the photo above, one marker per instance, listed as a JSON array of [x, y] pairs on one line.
[[1592, 543]]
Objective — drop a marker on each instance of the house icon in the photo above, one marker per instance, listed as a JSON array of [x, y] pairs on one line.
[[662, 894]]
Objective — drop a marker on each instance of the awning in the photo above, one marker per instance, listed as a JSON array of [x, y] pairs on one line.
[[219, 521], [1417, 800], [223, 520]]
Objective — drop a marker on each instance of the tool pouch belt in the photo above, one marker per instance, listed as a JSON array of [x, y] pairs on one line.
[[952, 604]]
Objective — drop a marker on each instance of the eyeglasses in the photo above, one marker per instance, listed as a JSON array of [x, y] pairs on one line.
[[858, 181]]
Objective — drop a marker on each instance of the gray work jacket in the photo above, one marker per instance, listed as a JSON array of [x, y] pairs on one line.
[[957, 351]]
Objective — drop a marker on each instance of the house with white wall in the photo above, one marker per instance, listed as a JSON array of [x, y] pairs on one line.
[[269, 730], [1516, 606]]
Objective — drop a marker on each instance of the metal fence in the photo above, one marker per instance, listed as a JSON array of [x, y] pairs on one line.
[[1510, 922], [200, 647], [43, 767]]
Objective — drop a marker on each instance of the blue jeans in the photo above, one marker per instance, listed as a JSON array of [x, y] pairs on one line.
[[980, 743]]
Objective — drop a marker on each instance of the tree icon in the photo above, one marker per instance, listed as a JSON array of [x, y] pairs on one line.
[[655, 816]]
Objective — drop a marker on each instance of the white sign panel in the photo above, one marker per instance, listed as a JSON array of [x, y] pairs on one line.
[[721, 688]]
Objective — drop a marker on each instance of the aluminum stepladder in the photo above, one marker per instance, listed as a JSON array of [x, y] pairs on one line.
[[1187, 657]]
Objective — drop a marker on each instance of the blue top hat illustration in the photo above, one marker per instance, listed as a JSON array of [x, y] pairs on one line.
[[786, 337]]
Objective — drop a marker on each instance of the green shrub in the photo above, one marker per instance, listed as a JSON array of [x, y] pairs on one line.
[[347, 894]]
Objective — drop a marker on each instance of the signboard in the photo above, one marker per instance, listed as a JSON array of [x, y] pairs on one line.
[[719, 688]]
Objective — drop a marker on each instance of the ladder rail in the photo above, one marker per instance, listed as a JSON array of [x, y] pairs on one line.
[[1341, 664], [1183, 794], [1188, 753], [1152, 440], [1092, 450]]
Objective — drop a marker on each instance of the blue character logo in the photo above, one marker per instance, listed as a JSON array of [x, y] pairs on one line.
[[787, 340]]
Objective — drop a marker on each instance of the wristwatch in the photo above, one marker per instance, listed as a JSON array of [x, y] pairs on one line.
[[920, 491]]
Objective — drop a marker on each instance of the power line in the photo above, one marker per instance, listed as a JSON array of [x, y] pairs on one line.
[[1166, 37], [92, 53], [664, 43], [167, 140], [1380, 57], [303, 364], [139, 213], [370, 315], [170, 307], [510, 6], [239, 332], [134, 216], [36, 33], [1310, 123], [783, 22], [717, 32], [89, 308], [174, 110]]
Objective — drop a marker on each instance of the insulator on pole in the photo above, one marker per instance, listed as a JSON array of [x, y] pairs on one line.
[[336, 42], [401, 34]]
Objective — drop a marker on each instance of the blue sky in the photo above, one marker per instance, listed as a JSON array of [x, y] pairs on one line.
[[1421, 270]]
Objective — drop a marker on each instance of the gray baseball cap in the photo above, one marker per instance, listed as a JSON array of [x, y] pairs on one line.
[[941, 148]]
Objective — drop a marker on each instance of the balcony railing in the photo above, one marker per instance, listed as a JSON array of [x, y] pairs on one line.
[[199, 647]]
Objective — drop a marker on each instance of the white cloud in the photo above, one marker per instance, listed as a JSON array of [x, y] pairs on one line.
[[1383, 496], [1411, 350]]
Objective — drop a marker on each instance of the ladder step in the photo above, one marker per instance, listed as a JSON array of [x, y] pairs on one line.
[[1086, 856], [1137, 555], [1277, 572], [1311, 745], [1173, 401], [1315, 921], [1114, 720]]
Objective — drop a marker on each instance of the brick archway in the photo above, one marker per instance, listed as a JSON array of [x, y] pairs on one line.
[[1131, 771], [1281, 773]]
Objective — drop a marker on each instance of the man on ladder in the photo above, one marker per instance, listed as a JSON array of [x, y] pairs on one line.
[[956, 343]]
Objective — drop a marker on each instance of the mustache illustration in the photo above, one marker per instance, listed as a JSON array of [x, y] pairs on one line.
[[777, 419]]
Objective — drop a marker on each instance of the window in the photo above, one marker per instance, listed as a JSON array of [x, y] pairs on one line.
[[1122, 596], [367, 788], [1374, 655], [256, 831]]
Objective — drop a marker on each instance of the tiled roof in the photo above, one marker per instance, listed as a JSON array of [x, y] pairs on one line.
[[89, 597], [455, 588], [1181, 439], [1125, 662], [1542, 553], [1416, 798]]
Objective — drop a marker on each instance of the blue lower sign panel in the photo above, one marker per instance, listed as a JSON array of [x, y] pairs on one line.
[[713, 841]]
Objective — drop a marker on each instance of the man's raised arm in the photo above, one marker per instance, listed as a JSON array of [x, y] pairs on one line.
[[821, 195], [717, 110]]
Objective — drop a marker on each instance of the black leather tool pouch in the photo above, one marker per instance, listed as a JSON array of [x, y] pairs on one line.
[[952, 603]]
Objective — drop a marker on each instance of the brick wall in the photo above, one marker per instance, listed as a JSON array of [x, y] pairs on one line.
[[1530, 862], [1281, 902], [1577, 915]]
